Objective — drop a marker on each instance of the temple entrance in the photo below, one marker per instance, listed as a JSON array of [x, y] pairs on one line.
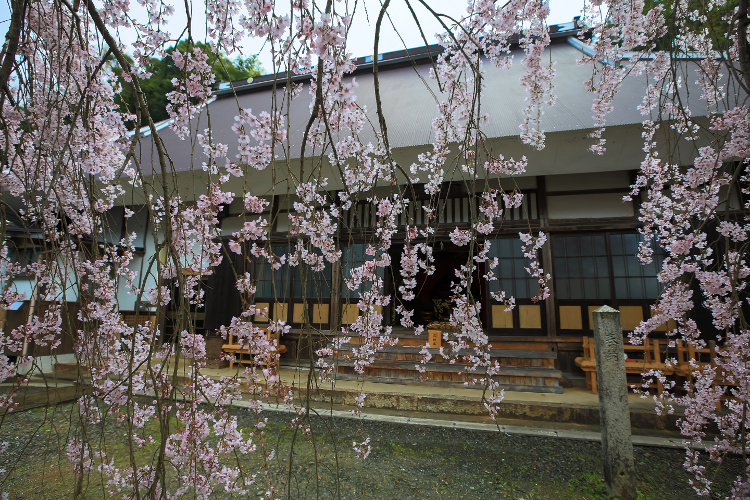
[[432, 302]]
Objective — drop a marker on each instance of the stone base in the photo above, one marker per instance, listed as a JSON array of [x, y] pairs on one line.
[[214, 354]]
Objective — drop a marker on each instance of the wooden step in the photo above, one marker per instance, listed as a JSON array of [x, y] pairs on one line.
[[494, 353], [417, 357], [511, 371], [411, 340], [510, 378], [530, 367]]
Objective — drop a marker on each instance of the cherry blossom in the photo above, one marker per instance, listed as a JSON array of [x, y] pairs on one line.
[[70, 165]]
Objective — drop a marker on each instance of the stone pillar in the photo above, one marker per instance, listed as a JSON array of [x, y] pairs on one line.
[[617, 447]]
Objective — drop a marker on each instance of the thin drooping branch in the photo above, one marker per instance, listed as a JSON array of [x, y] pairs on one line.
[[317, 107]]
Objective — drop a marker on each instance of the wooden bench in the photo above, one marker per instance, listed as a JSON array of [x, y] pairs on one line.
[[691, 359], [238, 352], [641, 359]]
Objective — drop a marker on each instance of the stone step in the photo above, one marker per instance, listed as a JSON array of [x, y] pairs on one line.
[[524, 379], [554, 388]]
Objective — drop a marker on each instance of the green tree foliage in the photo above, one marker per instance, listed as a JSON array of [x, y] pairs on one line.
[[164, 70], [716, 18]]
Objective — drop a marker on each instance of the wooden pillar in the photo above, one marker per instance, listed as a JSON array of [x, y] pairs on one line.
[[335, 318], [549, 304], [273, 212]]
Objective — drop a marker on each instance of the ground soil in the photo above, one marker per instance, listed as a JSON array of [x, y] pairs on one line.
[[406, 462]]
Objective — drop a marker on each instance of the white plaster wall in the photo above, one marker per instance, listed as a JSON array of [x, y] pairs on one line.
[[139, 264], [582, 182], [47, 363], [70, 282], [282, 222], [588, 206], [24, 286]]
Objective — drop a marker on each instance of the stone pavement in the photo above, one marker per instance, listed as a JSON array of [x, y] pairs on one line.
[[575, 408], [572, 414]]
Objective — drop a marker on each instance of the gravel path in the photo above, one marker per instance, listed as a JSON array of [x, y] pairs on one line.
[[406, 462]]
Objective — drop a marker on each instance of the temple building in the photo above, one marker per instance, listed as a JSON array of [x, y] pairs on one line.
[[574, 196]]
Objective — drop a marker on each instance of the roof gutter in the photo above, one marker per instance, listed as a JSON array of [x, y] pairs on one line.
[[359, 68], [627, 56], [426, 53], [145, 131]]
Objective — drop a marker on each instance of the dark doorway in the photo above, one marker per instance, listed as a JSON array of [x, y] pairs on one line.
[[432, 302]]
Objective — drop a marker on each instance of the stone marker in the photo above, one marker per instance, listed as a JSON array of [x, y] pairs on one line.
[[619, 471]]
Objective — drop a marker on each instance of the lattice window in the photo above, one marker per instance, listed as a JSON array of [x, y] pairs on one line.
[[511, 273], [354, 256], [452, 210], [633, 280], [271, 282], [603, 267]]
